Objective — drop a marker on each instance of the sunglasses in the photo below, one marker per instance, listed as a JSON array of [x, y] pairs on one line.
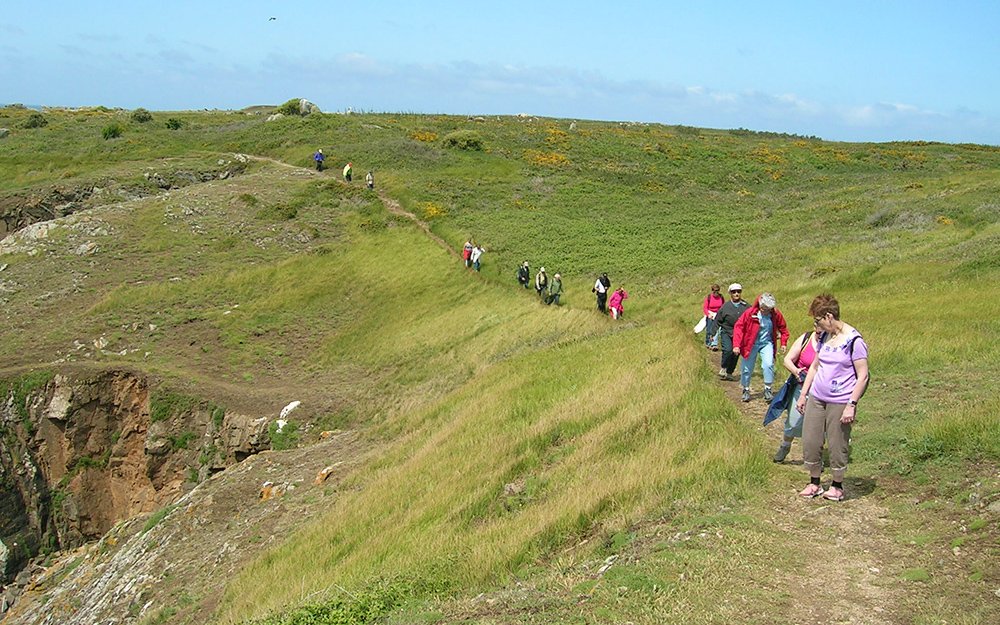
[[736, 291]]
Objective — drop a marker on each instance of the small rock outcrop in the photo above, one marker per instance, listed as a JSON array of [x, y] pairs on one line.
[[307, 108]]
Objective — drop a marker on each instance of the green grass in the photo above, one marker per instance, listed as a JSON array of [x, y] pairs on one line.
[[468, 384]]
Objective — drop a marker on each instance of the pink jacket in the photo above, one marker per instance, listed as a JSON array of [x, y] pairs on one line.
[[712, 303], [616, 299]]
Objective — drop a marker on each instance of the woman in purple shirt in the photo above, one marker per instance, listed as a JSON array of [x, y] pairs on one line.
[[836, 381]]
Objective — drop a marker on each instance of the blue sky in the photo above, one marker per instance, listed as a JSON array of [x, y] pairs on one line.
[[852, 71]]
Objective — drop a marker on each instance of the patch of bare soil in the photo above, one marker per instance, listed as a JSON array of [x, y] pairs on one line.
[[143, 569]]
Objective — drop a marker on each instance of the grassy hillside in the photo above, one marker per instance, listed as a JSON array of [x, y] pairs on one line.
[[521, 441]]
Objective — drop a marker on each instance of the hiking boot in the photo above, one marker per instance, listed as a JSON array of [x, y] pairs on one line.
[[722, 373], [782, 453], [834, 494], [730, 377], [768, 395], [813, 490], [746, 394]]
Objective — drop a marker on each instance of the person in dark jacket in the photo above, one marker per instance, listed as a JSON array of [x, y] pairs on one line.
[[524, 275], [726, 319], [601, 288]]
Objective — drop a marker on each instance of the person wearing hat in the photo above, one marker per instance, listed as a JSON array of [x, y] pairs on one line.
[[601, 288], [758, 331], [726, 319], [319, 158], [541, 282], [524, 274], [555, 290], [370, 180]]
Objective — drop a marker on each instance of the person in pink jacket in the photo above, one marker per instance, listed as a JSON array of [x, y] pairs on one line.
[[758, 331], [615, 303], [709, 307]]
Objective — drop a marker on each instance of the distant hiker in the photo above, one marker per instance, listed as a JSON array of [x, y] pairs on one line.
[[319, 158], [467, 253], [726, 318], [710, 307], [477, 254], [347, 172], [837, 379], [524, 274], [555, 290], [615, 303], [758, 331], [797, 362], [370, 181], [601, 288], [541, 282]]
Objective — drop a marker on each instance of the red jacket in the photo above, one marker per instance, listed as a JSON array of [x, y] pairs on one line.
[[712, 303], [748, 325]]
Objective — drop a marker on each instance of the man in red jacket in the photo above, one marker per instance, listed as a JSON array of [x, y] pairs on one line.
[[758, 331]]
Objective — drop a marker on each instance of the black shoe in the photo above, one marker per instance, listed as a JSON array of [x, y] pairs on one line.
[[746, 394], [768, 395]]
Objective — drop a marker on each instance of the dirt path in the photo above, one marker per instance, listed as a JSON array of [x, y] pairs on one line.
[[391, 204], [850, 553]]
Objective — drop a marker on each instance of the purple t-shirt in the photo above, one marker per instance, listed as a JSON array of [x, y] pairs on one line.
[[836, 378]]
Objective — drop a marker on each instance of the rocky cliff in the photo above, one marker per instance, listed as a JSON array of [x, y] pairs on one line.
[[82, 452]]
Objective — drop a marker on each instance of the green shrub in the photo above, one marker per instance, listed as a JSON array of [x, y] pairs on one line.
[[174, 124], [289, 108], [142, 116], [249, 200], [156, 517], [181, 440], [278, 212], [35, 120], [287, 438], [464, 140], [112, 131], [165, 404]]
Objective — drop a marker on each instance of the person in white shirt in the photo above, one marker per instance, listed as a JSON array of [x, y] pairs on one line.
[[477, 253], [601, 288]]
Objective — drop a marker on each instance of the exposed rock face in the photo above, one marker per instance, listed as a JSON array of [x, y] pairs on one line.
[[20, 210], [306, 107], [82, 454]]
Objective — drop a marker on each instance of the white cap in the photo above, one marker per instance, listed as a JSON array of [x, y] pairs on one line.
[[542, 269], [735, 286]]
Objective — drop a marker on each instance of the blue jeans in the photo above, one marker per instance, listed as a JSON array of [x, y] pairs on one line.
[[711, 332], [793, 423], [766, 351]]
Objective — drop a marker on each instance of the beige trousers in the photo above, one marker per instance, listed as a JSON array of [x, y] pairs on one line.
[[822, 422]]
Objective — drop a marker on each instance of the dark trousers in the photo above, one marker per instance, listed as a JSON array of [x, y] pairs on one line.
[[602, 302], [729, 359]]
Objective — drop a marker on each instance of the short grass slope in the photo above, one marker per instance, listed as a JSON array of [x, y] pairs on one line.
[[513, 433]]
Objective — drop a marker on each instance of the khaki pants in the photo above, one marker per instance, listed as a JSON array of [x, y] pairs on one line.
[[822, 421]]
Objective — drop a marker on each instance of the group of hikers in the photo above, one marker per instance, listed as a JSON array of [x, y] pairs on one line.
[[828, 369], [549, 290], [320, 159]]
